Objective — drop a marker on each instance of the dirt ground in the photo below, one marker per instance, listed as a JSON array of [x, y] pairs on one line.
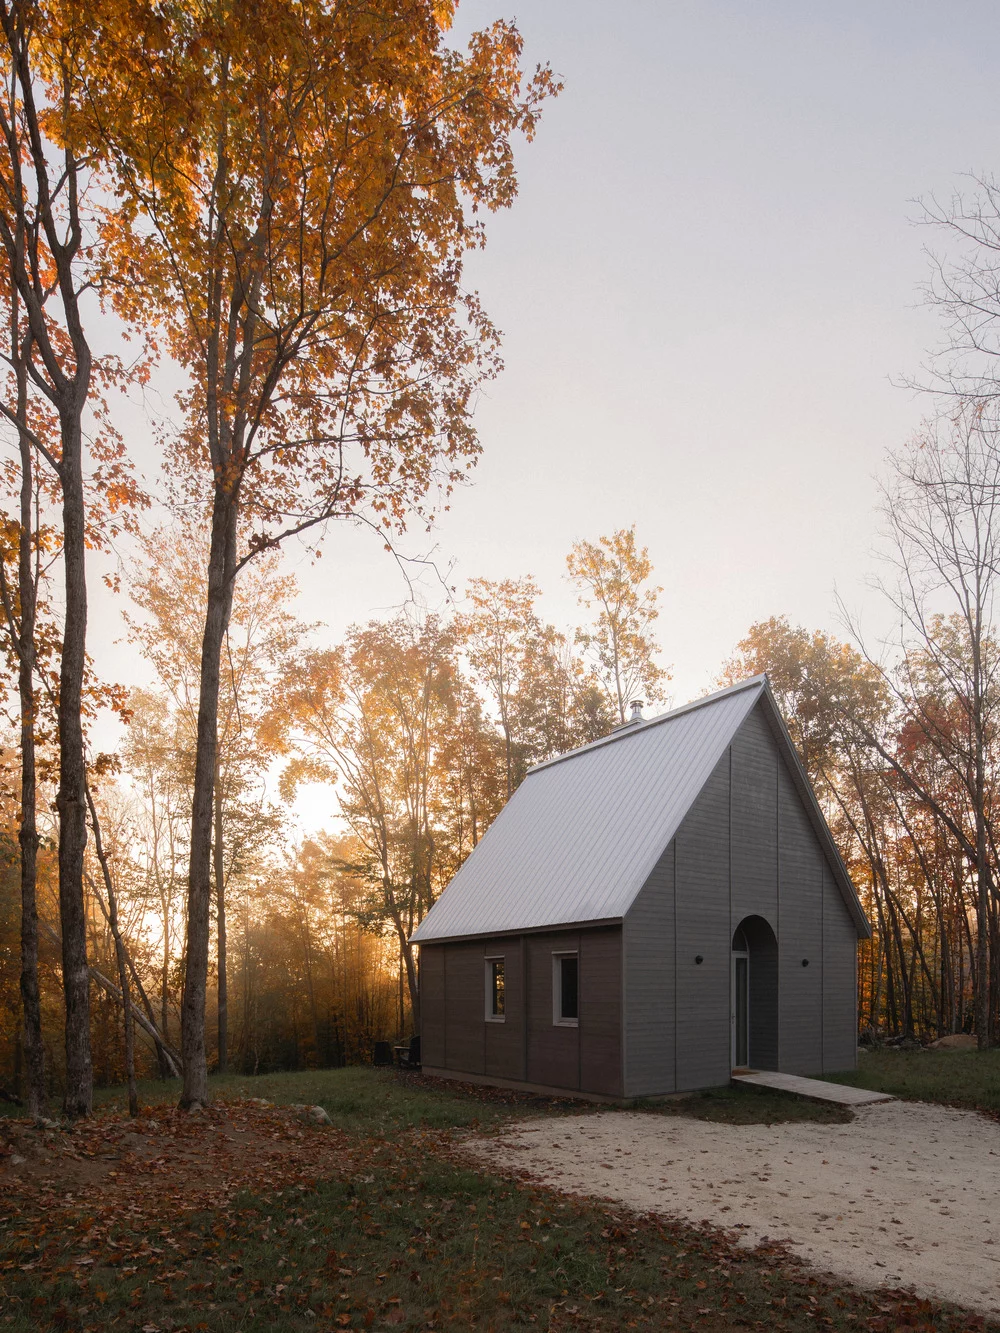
[[166, 1158], [907, 1195]]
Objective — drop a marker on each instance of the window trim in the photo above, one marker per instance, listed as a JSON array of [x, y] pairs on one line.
[[490, 992], [557, 1015]]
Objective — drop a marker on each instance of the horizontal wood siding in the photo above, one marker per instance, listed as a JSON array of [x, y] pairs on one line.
[[755, 821], [840, 981], [505, 1041], [800, 935], [650, 1026], [703, 920], [432, 1005], [600, 1030], [465, 1046], [553, 1052]]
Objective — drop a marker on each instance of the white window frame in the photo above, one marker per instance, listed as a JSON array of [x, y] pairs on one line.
[[557, 1015], [489, 1015]]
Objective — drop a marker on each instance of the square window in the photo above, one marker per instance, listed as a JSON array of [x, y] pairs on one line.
[[495, 990], [566, 989]]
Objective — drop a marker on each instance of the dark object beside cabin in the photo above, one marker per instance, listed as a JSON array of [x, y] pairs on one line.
[[382, 1054], [408, 1056]]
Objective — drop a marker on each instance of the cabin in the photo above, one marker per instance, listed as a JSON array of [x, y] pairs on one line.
[[648, 913]]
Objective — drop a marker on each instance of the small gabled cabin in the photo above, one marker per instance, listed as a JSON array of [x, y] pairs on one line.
[[648, 913]]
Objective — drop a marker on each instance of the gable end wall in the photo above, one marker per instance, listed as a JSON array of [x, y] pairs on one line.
[[746, 847]]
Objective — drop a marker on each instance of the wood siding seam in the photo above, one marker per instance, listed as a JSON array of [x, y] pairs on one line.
[[623, 1053], [729, 843], [822, 965], [524, 1007], [675, 958]]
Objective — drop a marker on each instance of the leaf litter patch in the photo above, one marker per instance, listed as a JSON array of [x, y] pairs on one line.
[[244, 1217]]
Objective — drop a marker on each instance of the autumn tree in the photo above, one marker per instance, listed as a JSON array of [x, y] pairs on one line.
[[537, 688], [304, 180], [24, 561], [51, 231], [41, 232], [499, 631], [373, 718], [157, 761], [166, 586], [612, 575], [823, 687], [941, 504]]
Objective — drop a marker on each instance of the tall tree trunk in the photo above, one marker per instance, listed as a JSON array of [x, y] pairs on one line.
[[28, 832], [71, 796], [982, 900], [219, 867], [34, 1049], [42, 233], [221, 566]]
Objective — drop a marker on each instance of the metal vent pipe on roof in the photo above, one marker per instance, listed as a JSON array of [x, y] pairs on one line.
[[636, 710]]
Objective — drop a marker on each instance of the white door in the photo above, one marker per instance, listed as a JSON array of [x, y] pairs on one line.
[[740, 1009]]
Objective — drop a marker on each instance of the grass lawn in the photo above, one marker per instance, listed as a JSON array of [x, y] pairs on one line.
[[953, 1078], [363, 1100], [376, 1222], [383, 1102]]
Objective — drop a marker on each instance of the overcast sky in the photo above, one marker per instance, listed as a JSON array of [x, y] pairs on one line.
[[709, 289]]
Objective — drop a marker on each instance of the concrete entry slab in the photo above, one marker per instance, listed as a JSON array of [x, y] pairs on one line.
[[814, 1088]]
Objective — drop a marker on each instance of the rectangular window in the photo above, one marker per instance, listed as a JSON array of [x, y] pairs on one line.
[[495, 992], [566, 989]]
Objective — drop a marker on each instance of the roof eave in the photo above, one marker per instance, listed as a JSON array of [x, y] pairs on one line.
[[514, 932]]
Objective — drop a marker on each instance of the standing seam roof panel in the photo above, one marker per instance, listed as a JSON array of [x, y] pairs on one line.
[[580, 836]]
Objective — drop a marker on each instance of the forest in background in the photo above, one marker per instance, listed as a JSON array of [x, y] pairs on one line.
[[274, 204]]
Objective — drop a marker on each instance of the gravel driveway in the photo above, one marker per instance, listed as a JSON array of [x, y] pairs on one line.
[[907, 1195]]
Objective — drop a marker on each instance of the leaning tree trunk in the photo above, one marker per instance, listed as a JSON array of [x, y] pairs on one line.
[[221, 568], [71, 797], [121, 957]]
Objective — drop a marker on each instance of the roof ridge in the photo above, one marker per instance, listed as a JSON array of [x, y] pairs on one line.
[[626, 729]]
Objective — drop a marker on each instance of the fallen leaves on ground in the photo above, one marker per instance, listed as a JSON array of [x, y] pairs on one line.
[[245, 1217]]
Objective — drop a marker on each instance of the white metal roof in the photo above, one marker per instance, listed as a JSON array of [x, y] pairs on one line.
[[580, 836]]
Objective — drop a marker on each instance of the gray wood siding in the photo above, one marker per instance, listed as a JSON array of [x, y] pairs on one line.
[[600, 1032], [746, 849], [800, 935], [649, 1026], [527, 1046], [432, 1005], [840, 981], [755, 761], [703, 919], [553, 1051], [465, 1045], [652, 1020], [505, 1041]]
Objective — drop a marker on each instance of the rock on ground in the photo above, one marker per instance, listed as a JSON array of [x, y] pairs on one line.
[[907, 1195]]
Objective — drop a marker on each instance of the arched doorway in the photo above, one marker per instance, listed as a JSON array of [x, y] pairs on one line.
[[754, 995]]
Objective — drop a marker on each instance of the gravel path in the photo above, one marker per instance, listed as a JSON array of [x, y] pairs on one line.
[[907, 1195]]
